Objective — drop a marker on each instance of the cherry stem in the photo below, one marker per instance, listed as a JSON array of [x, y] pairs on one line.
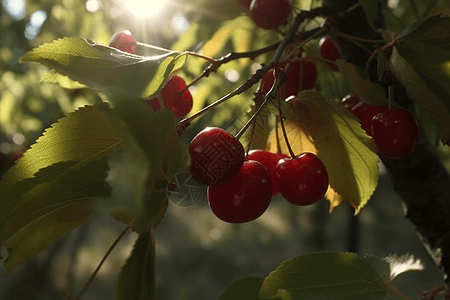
[[283, 128], [369, 61], [391, 96], [414, 8], [318, 34], [210, 59], [355, 42], [430, 7], [122, 234], [270, 96]]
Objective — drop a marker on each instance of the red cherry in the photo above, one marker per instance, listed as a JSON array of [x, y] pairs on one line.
[[350, 101], [267, 81], [269, 160], [243, 198], [302, 180], [365, 113], [298, 80], [179, 105], [395, 133], [154, 103], [124, 41], [270, 14], [216, 156], [244, 3], [328, 50]]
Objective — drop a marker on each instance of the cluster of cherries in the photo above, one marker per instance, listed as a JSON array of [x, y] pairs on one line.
[[174, 95], [394, 131], [240, 188]]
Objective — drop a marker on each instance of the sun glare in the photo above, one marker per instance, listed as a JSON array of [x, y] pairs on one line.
[[144, 9]]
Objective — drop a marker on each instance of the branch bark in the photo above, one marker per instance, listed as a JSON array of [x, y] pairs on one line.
[[420, 179]]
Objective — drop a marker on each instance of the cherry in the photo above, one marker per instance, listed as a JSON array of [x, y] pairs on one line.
[[216, 156], [244, 3], [350, 101], [365, 113], [328, 50], [298, 80], [270, 14], [179, 105], [302, 180], [124, 41], [243, 198], [268, 160], [395, 133], [301, 75]]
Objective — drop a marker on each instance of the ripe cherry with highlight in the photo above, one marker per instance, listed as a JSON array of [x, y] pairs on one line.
[[243, 198], [270, 161], [302, 180], [395, 133]]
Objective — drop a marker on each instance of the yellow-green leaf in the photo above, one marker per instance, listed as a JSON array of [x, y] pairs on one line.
[[369, 92], [330, 131]]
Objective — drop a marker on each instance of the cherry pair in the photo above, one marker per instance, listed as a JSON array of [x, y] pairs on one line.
[[394, 131]]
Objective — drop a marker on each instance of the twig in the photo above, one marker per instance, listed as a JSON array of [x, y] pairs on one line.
[[414, 8], [101, 262]]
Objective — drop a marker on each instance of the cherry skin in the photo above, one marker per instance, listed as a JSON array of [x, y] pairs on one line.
[[243, 198], [216, 156], [329, 51], [124, 41], [395, 133], [244, 3], [270, 14], [268, 160], [350, 101], [302, 180], [365, 113], [302, 75], [179, 105]]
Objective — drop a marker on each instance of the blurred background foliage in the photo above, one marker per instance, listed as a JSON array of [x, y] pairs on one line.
[[197, 254]]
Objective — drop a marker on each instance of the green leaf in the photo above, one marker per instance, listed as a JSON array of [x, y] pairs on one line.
[[140, 172], [244, 288], [329, 130], [421, 61], [369, 92], [82, 136], [137, 278], [106, 69], [421, 90], [63, 81], [370, 8], [60, 201], [327, 276]]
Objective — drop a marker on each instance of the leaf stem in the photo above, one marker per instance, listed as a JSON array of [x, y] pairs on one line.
[[318, 34], [397, 292], [102, 261]]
